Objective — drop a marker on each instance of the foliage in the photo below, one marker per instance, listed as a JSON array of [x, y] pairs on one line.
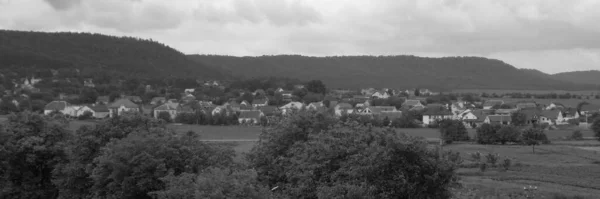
[[476, 156], [86, 115], [343, 71], [30, 146], [506, 163], [213, 183], [534, 136], [132, 167], [310, 155], [316, 86], [508, 134], [518, 119], [577, 135], [165, 116], [596, 127], [492, 158], [482, 167], [453, 130]]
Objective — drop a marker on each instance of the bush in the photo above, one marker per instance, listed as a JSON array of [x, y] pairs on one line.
[[596, 128], [508, 134], [492, 159], [86, 115], [506, 164], [574, 122], [308, 155], [534, 136], [482, 167], [577, 135], [476, 156], [453, 130], [487, 134], [165, 116]]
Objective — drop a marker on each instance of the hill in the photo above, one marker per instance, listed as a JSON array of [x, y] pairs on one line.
[[91, 53], [391, 71], [581, 77]]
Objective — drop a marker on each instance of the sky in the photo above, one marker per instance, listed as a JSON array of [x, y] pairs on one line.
[[549, 35]]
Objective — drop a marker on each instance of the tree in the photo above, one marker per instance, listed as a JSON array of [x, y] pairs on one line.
[[31, 145], [534, 136], [596, 127], [453, 130], [86, 115], [486, 133], [316, 86], [73, 176], [417, 92], [518, 118], [311, 155], [214, 183], [508, 134], [166, 116]]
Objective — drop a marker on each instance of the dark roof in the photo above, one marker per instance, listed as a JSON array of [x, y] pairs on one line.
[[499, 118], [123, 102], [550, 114], [269, 110], [379, 109], [98, 107], [260, 101], [411, 103], [250, 114], [526, 105], [134, 98], [482, 114], [435, 110], [104, 99], [493, 102], [56, 105], [167, 107], [157, 99], [343, 105], [391, 115], [531, 113]]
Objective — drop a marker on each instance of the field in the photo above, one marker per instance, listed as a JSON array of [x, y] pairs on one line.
[[504, 91], [566, 102]]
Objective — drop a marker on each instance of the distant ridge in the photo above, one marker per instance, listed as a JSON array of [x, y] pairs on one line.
[[90, 53], [403, 71], [581, 77]]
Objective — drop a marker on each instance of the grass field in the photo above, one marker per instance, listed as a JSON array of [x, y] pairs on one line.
[[566, 102], [504, 91]]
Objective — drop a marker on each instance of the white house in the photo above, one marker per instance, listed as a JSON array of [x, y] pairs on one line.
[[168, 107], [122, 105], [250, 116], [436, 114], [56, 106], [343, 108], [381, 95], [189, 90], [291, 106]]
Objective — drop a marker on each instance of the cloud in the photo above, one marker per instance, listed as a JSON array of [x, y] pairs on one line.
[[63, 4]]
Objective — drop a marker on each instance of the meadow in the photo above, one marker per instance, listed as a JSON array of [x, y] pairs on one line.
[[567, 102], [505, 91]]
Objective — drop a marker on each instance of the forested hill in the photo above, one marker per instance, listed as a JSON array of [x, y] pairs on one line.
[[582, 77], [390, 71], [90, 53]]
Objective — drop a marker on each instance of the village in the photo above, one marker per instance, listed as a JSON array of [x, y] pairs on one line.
[[387, 105]]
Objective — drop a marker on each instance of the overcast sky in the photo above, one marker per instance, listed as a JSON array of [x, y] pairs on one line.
[[549, 35]]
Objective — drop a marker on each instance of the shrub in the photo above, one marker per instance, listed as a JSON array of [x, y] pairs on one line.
[[492, 158], [453, 130], [596, 128], [534, 136], [482, 167], [574, 122], [486, 134], [476, 156], [164, 116], [86, 115], [506, 164], [508, 134], [577, 135]]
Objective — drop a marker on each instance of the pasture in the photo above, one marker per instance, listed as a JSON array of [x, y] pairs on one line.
[[567, 102], [505, 91]]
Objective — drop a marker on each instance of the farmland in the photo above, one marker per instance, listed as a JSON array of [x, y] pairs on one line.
[[504, 91], [566, 102]]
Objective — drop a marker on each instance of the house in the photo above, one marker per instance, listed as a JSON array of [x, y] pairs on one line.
[[189, 90], [376, 110], [413, 105], [56, 106], [390, 115], [343, 108], [436, 113], [260, 102], [188, 98], [244, 103], [360, 98], [381, 95], [134, 99], [532, 116], [168, 107], [298, 86], [259, 92], [234, 105], [475, 118], [99, 110], [286, 96], [316, 106], [526, 105], [570, 113], [365, 104], [498, 119], [103, 100], [279, 90], [158, 100], [550, 116], [250, 116], [489, 104], [122, 105], [291, 106], [555, 105], [269, 110], [222, 110], [368, 91], [589, 109], [506, 111], [89, 83]]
